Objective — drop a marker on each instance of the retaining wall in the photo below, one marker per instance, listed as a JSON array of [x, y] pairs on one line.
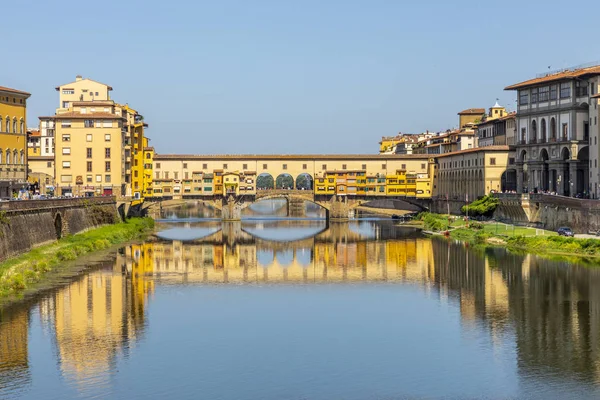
[[29, 223]]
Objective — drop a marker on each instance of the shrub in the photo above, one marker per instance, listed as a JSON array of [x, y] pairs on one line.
[[482, 207]]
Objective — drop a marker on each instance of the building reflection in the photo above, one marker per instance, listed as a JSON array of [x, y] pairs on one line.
[[14, 365], [95, 319]]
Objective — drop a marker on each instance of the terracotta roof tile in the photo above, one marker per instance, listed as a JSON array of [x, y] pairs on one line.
[[570, 74], [472, 111], [76, 115], [6, 89]]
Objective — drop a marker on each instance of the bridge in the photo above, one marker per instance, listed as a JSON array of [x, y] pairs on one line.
[[337, 207]]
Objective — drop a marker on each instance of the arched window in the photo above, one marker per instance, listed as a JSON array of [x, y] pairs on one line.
[[15, 157], [22, 156], [1, 153], [7, 157], [1, 124], [22, 130], [543, 126], [7, 125], [533, 133], [552, 129], [15, 125]]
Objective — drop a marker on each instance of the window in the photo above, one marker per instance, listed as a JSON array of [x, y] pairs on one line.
[[493, 161], [107, 137], [107, 178], [284, 166], [66, 178], [96, 93], [49, 164], [83, 110], [184, 165], [534, 95], [324, 167], [523, 98], [403, 166], [88, 138], [107, 166], [107, 123], [581, 88], [65, 123], [68, 91], [88, 166], [157, 175], [544, 94], [244, 166], [423, 166], [224, 166], [107, 152], [565, 90], [185, 174], [364, 166], [304, 166], [98, 178], [65, 104], [157, 165], [89, 178], [66, 164], [383, 166], [565, 131], [66, 138], [553, 92], [176, 175], [204, 166], [88, 123], [66, 151]]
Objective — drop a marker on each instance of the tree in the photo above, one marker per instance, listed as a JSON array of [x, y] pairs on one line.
[[265, 181], [284, 181], [304, 182]]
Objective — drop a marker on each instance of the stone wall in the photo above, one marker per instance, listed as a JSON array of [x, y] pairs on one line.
[[550, 212], [26, 224]]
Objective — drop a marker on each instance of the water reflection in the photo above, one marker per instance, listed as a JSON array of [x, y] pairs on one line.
[[545, 313]]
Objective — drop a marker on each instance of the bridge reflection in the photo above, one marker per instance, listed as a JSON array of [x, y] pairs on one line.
[[548, 311]]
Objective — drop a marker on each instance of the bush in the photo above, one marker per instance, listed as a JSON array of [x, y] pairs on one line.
[[482, 207]]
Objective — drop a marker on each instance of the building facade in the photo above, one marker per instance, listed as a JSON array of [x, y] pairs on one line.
[[41, 174], [473, 173], [99, 144], [555, 131], [13, 141]]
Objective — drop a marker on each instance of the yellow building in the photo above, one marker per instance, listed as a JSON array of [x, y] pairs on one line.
[[470, 116], [99, 144], [41, 174], [13, 141], [148, 176], [34, 143], [231, 181]]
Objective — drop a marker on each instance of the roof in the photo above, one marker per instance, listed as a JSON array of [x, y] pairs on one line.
[[40, 158], [84, 79], [34, 133], [567, 74], [475, 150], [148, 148], [292, 157], [15, 91], [94, 103], [76, 115], [596, 96], [472, 111]]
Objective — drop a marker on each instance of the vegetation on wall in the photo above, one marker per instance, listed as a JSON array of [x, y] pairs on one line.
[[19, 273], [482, 207]]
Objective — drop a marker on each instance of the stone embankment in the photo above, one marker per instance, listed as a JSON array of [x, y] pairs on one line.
[[30, 223]]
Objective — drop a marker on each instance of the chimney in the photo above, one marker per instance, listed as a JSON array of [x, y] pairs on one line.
[[78, 78]]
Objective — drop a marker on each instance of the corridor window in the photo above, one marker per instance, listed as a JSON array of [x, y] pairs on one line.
[[204, 166], [492, 161], [324, 167], [523, 98], [553, 92], [534, 95], [244, 166], [224, 166], [565, 90], [304, 166], [284, 166], [543, 93]]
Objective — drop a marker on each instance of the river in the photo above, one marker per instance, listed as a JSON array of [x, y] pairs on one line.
[[276, 308]]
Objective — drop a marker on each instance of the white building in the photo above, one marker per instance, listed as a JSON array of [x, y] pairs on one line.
[[557, 138], [47, 137]]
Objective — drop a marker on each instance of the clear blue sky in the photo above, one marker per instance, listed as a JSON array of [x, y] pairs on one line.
[[291, 77]]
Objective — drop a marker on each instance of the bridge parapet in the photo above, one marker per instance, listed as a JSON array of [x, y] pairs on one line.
[[27, 205]]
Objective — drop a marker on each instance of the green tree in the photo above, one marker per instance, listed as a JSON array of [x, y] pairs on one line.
[[265, 181], [284, 181], [304, 181]]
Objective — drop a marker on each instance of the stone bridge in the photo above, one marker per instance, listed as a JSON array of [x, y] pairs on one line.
[[337, 207], [25, 224]]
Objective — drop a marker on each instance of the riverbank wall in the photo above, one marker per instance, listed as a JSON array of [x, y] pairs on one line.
[[27, 224]]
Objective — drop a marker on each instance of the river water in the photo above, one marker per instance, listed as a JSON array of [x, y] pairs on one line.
[[273, 308]]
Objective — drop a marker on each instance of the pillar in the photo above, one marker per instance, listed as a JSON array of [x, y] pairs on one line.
[[573, 178], [519, 178]]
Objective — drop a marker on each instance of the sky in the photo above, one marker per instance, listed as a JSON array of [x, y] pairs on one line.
[[291, 77]]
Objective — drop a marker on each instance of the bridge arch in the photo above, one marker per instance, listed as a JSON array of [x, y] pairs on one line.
[[265, 181], [284, 181], [304, 181]]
